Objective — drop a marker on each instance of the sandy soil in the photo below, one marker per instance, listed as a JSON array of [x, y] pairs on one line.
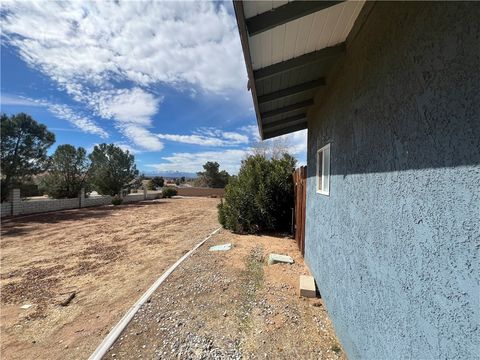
[[232, 305], [108, 256]]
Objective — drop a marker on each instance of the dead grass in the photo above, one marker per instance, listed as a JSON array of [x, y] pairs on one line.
[[232, 305], [108, 256]]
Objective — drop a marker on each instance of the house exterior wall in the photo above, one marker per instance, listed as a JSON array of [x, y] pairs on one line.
[[395, 247]]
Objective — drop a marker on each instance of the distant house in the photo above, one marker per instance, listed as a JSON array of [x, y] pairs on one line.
[[390, 95]]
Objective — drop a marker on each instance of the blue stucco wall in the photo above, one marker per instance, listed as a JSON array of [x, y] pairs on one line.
[[395, 247]]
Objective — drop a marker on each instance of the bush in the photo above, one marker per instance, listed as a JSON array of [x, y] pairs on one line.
[[158, 181], [260, 198], [151, 185], [117, 200], [168, 192]]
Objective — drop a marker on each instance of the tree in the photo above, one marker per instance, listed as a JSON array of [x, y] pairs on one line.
[[272, 148], [151, 185], [112, 169], [212, 177], [137, 183], [67, 172], [24, 145], [158, 181], [260, 198]]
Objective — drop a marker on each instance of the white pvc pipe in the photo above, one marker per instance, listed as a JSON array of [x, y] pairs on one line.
[[113, 335]]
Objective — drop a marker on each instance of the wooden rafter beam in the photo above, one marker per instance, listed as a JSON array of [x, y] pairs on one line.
[[285, 130], [296, 106], [291, 91], [286, 121], [285, 13], [314, 56]]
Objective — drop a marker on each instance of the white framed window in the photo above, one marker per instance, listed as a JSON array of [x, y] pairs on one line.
[[323, 170]]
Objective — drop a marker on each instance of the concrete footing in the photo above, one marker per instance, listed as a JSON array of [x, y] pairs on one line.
[[307, 286]]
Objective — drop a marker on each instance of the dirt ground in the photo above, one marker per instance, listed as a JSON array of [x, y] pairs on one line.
[[232, 305], [107, 256]]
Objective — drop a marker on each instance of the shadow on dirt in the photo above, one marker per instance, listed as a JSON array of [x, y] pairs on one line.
[[15, 226]]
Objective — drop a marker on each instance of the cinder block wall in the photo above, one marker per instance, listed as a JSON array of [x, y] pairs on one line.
[[395, 247], [198, 191], [97, 201], [38, 206], [24, 207], [6, 209], [133, 198]]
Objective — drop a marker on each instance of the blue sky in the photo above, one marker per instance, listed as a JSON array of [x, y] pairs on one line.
[[165, 80]]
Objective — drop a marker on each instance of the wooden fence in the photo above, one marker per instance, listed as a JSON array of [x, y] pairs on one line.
[[300, 196]]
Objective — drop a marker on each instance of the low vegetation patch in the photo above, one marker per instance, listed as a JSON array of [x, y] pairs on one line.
[[168, 192], [254, 276], [117, 200], [336, 349]]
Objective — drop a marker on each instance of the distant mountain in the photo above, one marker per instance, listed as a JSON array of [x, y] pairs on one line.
[[172, 174]]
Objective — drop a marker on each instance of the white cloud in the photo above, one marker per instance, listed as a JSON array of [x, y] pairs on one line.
[[90, 47], [235, 137], [132, 110], [296, 142], [192, 139], [126, 105], [129, 148], [6, 99], [208, 137], [252, 131], [81, 122], [192, 44], [141, 137], [229, 160]]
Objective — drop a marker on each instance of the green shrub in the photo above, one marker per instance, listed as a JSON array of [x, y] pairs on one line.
[[117, 200], [151, 185], [260, 198], [168, 192]]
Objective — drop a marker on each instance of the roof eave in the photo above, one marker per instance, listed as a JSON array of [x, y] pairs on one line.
[[242, 29]]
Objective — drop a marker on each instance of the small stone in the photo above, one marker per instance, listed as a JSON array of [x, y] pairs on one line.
[[276, 258], [223, 247]]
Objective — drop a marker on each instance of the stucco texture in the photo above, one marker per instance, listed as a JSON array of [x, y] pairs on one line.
[[395, 247]]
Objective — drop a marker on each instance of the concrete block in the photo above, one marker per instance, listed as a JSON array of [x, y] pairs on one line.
[[223, 247], [307, 286], [276, 258]]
